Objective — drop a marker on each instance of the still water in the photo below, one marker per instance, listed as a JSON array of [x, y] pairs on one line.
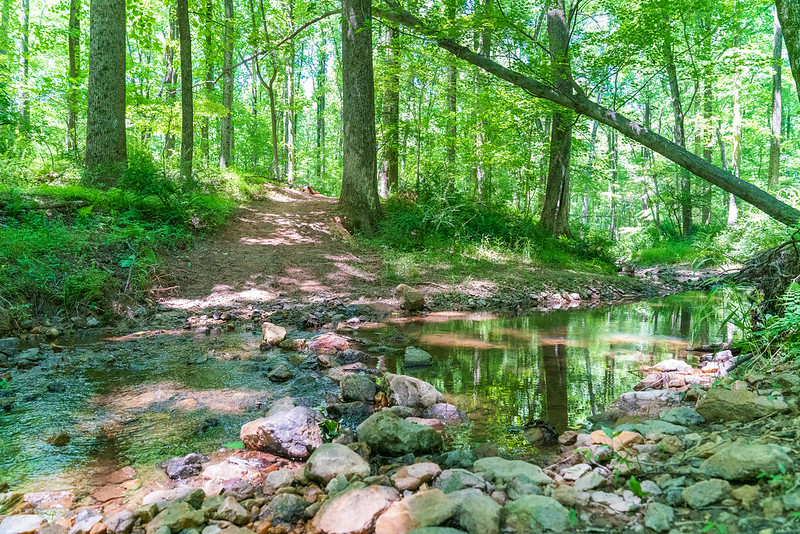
[[150, 396]]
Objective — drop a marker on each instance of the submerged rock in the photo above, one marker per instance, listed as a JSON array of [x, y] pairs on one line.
[[356, 387], [293, 433], [415, 357]]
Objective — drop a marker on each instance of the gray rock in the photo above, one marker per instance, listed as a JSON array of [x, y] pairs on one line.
[[194, 497], [121, 522], [387, 434], [353, 512], [496, 468], [176, 517], [291, 434], [410, 298], [534, 514], [358, 388], [452, 480], [682, 415], [184, 466], [84, 521], [745, 462], [239, 489], [447, 413], [284, 404], [331, 460], [21, 524], [653, 426], [479, 514], [286, 508], [232, 511], [9, 346], [278, 479], [92, 322], [424, 509], [459, 458], [519, 487], [590, 481], [737, 405], [415, 357], [644, 403], [412, 392], [659, 517], [706, 492], [411, 477], [280, 374]]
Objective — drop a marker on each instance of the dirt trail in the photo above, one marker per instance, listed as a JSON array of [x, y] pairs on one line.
[[285, 242]]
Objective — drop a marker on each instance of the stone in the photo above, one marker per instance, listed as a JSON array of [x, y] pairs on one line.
[[623, 439], [85, 521], [534, 514], [278, 479], [331, 460], [433, 423], [569, 496], [747, 462], [21, 524], [353, 512], [643, 403], [659, 517], [749, 494], [744, 406], [176, 517], [273, 335], [329, 344], [281, 405], [682, 415], [387, 434], [232, 511], [410, 299], [92, 322], [358, 388], [294, 433], [575, 472], [479, 514], [411, 392], [280, 374], [184, 466], [9, 346], [415, 357], [286, 508], [707, 492], [239, 489], [495, 468], [673, 365], [424, 509], [452, 480], [654, 426], [590, 481], [121, 522], [413, 476], [445, 412], [670, 445]]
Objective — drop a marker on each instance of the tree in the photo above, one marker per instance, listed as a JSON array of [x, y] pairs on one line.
[[187, 101], [226, 126], [788, 12], [359, 198], [73, 51], [776, 107], [390, 165], [106, 145]]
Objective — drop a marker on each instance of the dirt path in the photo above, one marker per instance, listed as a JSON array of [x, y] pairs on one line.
[[286, 243]]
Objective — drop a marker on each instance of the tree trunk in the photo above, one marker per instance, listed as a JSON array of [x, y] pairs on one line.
[[25, 111], [273, 117], [708, 142], [631, 129], [322, 87], [775, 116], [685, 195], [389, 174], [359, 198], [73, 50], [106, 149], [788, 13], [483, 186], [555, 212], [205, 144], [170, 84], [612, 184], [452, 110], [733, 210], [187, 100], [226, 125], [291, 119]]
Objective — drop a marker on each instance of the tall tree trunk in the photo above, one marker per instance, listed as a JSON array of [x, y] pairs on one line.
[[273, 117], [359, 198], [226, 125], [708, 142], [789, 18], [452, 110], [389, 174], [322, 87], [733, 210], [555, 212], [775, 116], [612, 184], [291, 119], [205, 144], [170, 85], [25, 111], [685, 195], [187, 100], [73, 51], [106, 148], [483, 185]]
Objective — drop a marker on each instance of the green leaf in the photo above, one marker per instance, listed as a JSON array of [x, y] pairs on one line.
[[86, 211], [636, 488]]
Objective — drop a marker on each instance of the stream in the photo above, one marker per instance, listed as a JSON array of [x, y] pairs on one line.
[[86, 409]]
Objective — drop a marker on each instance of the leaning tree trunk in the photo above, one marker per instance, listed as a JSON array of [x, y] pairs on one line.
[[187, 101], [359, 198], [226, 124], [775, 116], [106, 149]]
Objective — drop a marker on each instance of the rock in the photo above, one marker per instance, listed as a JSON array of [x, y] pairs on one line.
[[706, 492], [232, 511], [294, 433], [411, 392], [121, 522], [682, 415], [746, 462], [444, 412], [85, 521], [624, 438], [358, 388], [92, 322], [9, 346], [654, 426], [184, 466], [273, 334], [329, 344], [458, 458], [331, 460], [353, 512], [673, 365], [176, 517], [240, 489], [423, 509], [410, 298], [534, 514], [278, 479], [280, 374], [643, 403], [281, 405], [452, 480], [569, 496], [498, 469], [286, 508], [479, 514], [413, 476], [749, 494], [659, 517], [433, 423], [59, 440], [415, 357], [387, 434], [21, 524], [590, 481], [725, 405]]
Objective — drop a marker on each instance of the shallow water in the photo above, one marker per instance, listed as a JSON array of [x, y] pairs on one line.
[[150, 396]]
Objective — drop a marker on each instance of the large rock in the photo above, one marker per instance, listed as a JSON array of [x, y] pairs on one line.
[[412, 392], [286, 508], [410, 298], [232, 511], [445, 412], [659, 517], [452, 480], [534, 514], [415, 357], [21, 524], [495, 468], [706, 492], [176, 517], [358, 388], [745, 462], [184, 466], [424, 509], [9, 346], [387, 434], [273, 334], [682, 415], [353, 512], [329, 344], [292, 433], [479, 514], [331, 460], [412, 476], [646, 404], [737, 405]]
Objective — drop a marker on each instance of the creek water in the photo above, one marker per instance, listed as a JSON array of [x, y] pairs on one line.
[[149, 396]]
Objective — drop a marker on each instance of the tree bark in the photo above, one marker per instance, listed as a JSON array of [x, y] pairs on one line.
[[612, 184], [789, 17], [226, 124], [452, 109], [736, 157], [170, 83], [483, 185], [291, 118], [359, 197], [25, 111], [390, 167], [205, 145], [73, 51], [187, 99], [775, 116], [579, 103], [322, 87], [106, 148]]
